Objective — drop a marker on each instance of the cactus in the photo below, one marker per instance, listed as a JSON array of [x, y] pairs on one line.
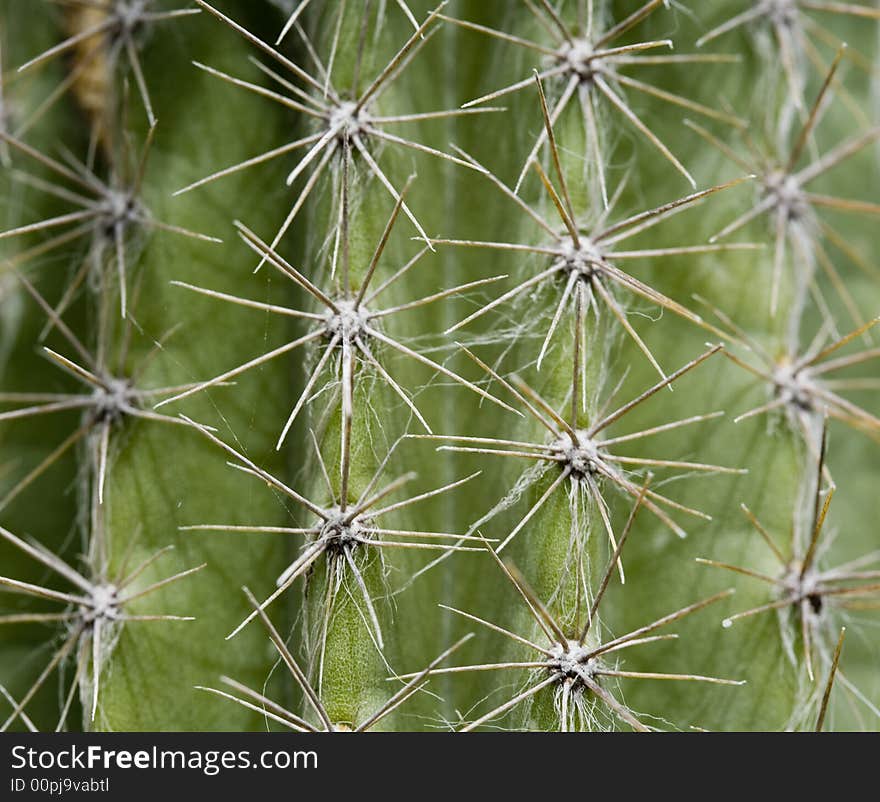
[[339, 390]]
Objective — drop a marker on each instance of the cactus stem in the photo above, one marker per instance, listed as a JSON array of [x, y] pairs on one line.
[[341, 530], [297, 723], [576, 665], [112, 398], [585, 258], [583, 459], [348, 326], [798, 383], [801, 585], [346, 124], [95, 608], [583, 63], [105, 215], [783, 194], [101, 36]]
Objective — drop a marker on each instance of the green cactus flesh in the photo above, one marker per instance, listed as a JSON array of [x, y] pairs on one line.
[[497, 411]]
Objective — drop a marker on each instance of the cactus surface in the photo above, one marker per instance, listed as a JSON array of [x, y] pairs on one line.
[[371, 365]]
